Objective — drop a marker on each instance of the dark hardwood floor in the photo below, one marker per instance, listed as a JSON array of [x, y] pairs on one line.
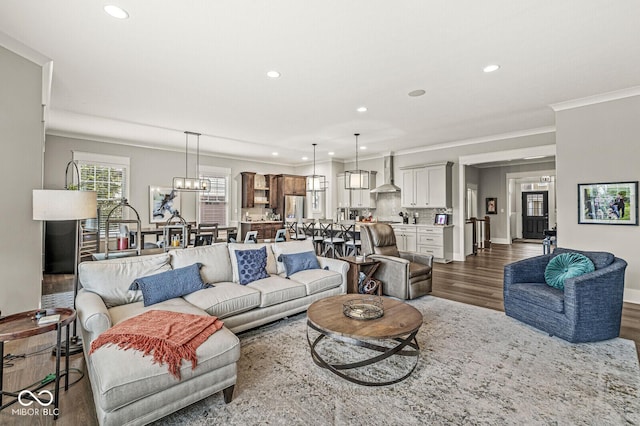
[[478, 281]]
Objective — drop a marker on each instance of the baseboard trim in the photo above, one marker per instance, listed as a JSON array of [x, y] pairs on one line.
[[631, 296], [500, 241]]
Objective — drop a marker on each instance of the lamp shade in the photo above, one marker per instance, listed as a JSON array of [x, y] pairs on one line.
[[53, 204]]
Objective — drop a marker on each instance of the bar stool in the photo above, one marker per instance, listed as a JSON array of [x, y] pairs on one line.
[[352, 245], [333, 241], [296, 231], [312, 230]]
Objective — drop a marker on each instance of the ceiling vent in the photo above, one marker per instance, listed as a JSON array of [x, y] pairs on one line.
[[388, 178]]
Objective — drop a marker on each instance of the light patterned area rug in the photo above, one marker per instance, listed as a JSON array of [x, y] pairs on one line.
[[477, 366]]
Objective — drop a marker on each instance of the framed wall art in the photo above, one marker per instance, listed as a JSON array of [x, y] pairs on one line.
[[492, 205], [610, 203], [163, 202]]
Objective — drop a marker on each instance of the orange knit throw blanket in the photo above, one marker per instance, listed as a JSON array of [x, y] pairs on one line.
[[170, 336]]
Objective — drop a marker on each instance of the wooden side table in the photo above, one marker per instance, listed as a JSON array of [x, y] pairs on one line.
[[359, 264], [24, 324]]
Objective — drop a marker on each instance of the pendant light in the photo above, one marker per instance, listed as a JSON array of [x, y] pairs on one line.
[[316, 183], [195, 183], [356, 179]]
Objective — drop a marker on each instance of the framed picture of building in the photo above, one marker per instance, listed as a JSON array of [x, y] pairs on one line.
[[610, 203]]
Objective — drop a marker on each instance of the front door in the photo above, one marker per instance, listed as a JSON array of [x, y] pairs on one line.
[[535, 214]]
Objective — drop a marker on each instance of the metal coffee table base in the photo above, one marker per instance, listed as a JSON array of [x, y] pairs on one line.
[[405, 347]]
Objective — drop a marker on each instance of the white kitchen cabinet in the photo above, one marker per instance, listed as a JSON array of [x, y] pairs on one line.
[[436, 241], [344, 195], [426, 186], [426, 239], [406, 237]]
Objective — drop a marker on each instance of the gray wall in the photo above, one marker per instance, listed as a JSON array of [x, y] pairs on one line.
[[21, 172], [150, 167], [599, 143]]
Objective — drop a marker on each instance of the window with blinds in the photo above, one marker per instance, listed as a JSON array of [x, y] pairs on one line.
[[108, 176], [214, 205]]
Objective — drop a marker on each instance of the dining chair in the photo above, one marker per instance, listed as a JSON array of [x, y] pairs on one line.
[[281, 235], [202, 240], [209, 229], [251, 237]]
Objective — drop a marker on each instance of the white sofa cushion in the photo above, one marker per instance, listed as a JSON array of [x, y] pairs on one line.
[[124, 376], [225, 299], [216, 265], [288, 248], [233, 247], [111, 278], [276, 289], [317, 280]]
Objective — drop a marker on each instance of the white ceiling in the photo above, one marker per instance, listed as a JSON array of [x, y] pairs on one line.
[[201, 66]]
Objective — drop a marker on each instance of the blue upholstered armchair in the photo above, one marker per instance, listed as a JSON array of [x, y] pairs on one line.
[[589, 308]]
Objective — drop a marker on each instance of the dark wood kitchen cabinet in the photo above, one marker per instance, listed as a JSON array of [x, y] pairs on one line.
[[294, 185]]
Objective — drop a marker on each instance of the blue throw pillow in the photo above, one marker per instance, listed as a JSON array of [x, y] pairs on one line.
[[566, 265], [167, 285], [295, 262], [252, 265]]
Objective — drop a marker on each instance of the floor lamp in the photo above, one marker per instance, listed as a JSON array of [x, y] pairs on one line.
[[56, 205]]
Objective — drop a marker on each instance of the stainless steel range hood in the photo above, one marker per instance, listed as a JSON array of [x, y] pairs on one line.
[[388, 185]]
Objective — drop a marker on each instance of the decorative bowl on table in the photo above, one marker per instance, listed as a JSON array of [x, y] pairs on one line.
[[363, 308]]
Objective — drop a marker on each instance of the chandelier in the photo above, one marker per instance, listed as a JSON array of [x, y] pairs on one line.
[[187, 183], [316, 183]]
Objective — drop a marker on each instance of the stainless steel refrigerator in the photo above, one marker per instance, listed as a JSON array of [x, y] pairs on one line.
[[294, 207]]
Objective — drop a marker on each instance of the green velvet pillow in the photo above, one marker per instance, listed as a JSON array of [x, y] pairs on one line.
[[566, 265]]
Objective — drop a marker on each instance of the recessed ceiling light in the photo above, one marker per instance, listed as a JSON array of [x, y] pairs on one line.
[[491, 68], [331, 153], [418, 92], [362, 109], [363, 148], [274, 154], [116, 12], [273, 74], [305, 158]]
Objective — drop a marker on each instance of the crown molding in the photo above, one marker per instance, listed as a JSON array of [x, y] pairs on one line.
[[596, 99]]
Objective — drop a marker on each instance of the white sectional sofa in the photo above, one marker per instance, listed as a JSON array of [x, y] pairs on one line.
[[128, 389]]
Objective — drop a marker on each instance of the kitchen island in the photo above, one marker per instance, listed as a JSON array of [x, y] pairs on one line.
[[266, 228]]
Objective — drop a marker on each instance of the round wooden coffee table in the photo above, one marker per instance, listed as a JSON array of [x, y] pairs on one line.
[[393, 334]]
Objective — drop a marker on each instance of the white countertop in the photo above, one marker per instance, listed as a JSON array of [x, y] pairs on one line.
[[422, 225], [260, 221]]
